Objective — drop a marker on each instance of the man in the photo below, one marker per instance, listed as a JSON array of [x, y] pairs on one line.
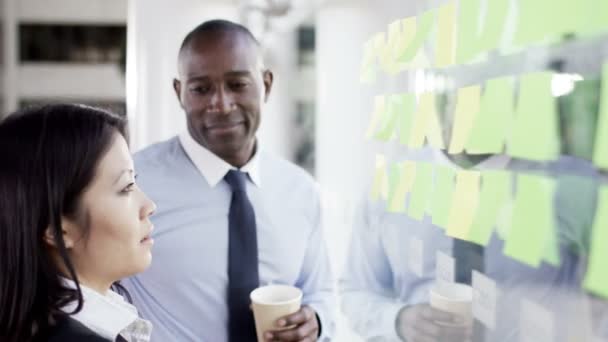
[[230, 217], [378, 276]]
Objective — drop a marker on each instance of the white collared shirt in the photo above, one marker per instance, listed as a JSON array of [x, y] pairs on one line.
[[109, 315], [214, 168]]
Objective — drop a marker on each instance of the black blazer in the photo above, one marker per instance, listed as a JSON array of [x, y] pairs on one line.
[[70, 330]]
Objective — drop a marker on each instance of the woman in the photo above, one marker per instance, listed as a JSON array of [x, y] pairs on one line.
[[72, 223]]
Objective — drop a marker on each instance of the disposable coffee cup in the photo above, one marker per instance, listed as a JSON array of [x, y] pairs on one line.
[[454, 298], [272, 302]]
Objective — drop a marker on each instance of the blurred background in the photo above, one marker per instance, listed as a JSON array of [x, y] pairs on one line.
[[121, 55]]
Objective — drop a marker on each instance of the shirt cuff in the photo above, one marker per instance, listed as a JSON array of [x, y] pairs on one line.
[[325, 327], [389, 321]]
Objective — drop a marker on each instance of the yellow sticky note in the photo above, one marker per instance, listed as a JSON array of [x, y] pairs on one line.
[[528, 30], [535, 132], [533, 220], [380, 183], [600, 153], [468, 36], [426, 124], [377, 116], [465, 200], [390, 120], [396, 202], [494, 24], [442, 195], [421, 28], [596, 278], [493, 196], [392, 47], [467, 107], [407, 107], [445, 50], [421, 189], [491, 125]]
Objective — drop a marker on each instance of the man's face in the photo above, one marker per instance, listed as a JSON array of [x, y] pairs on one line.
[[221, 88]]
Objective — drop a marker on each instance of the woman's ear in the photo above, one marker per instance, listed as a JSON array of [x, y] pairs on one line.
[[68, 234]]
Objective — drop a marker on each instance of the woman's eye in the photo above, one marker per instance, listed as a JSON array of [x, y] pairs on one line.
[[128, 188]]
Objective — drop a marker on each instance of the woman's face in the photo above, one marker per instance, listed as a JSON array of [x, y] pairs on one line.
[[116, 214]]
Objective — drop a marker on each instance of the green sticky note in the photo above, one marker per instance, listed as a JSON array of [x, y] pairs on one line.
[[600, 151], [424, 25], [494, 194], [389, 119], [528, 30], [445, 48], [394, 172], [377, 116], [380, 182], [566, 16], [404, 182], [533, 222], [595, 14], [467, 107], [596, 278], [465, 201], [442, 195], [468, 38], [407, 107], [421, 189], [368, 71], [535, 132], [494, 24], [490, 126]]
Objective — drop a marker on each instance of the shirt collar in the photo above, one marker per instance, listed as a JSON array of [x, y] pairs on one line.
[[214, 168], [107, 315]]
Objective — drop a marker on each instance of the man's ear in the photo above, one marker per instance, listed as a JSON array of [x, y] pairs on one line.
[[177, 87], [69, 234], [268, 78]]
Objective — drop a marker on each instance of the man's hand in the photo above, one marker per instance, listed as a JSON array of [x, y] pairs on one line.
[[302, 327], [422, 323]]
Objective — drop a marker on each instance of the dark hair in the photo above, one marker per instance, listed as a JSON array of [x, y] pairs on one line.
[[216, 26], [48, 157]]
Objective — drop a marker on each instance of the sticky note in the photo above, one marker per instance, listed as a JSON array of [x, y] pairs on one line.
[[468, 37], [566, 16], [467, 107], [485, 296], [405, 180], [445, 49], [528, 30], [491, 124], [378, 116], [368, 71], [536, 323], [419, 196], [380, 182], [393, 41], [423, 26], [596, 278], [407, 107], [495, 192], [426, 124], [415, 256], [382, 49], [600, 151], [445, 267], [535, 133], [465, 200], [389, 120], [394, 173], [442, 195], [493, 24], [595, 18], [533, 220]]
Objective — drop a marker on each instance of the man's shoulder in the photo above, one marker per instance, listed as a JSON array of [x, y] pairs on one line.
[[69, 329], [158, 152], [280, 168]]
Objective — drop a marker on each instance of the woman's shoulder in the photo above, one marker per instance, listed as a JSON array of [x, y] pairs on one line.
[[69, 329]]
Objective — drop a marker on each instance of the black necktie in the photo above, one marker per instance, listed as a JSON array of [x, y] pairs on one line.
[[242, 260]]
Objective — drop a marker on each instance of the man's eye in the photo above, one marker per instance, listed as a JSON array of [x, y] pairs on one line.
[[238, 85], [199, 90]]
